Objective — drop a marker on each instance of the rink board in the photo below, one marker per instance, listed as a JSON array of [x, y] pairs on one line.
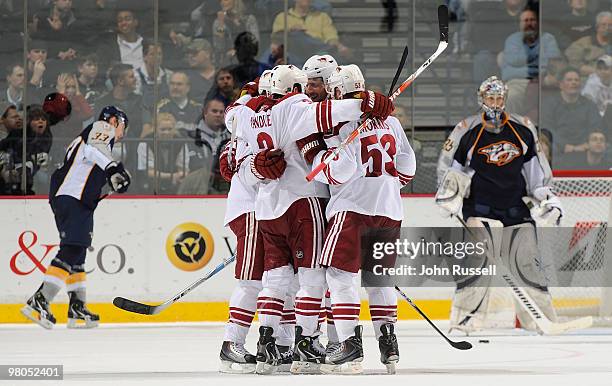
[[132, 241]]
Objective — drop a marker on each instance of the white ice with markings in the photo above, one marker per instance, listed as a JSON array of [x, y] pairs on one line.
[[187, 354]]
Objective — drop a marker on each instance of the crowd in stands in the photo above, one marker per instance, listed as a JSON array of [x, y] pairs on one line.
[[174, 89]]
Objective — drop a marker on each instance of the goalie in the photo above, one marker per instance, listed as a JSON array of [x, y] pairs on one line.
[[490, 167]]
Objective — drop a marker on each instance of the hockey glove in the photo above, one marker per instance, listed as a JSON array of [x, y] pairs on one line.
[[268, 164], [454, 188], [118, 178], [310, 146], [251, 88], [227, 172], [376, 104], [545, 207]]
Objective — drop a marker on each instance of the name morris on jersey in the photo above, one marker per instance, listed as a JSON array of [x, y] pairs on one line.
[[500, 153]]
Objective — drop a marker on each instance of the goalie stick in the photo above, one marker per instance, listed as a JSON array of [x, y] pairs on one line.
[[461, 345], [443, 24], [146, 309], [545, 325]]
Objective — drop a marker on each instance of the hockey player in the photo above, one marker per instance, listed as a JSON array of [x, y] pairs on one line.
[[488, 164], [365, 182], [290, 210], [74, 194], [240, 217]]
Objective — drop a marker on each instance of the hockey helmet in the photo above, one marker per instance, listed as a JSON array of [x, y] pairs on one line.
[[285, 77], [265, 81], [57, 106], [320, 66], [112, 111], [347, 79]]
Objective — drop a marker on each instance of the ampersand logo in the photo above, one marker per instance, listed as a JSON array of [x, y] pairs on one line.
[[26, 250], [189, 246]]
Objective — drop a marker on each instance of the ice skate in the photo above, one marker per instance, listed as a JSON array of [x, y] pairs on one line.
[[389, 350], [347, 356], [307, 354], [268, 356], [286, 359], [235, 359], [37, 310], [78, 314]]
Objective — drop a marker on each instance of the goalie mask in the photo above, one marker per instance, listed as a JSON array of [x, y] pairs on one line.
[[492, 95], [345, 80], [285, 78]]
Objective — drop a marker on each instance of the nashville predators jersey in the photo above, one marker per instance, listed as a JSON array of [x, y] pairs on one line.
[[82, 174]]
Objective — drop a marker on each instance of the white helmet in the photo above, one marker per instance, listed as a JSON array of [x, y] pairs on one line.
[[265, 81], [285, 77], [320, 66], [347, 79]]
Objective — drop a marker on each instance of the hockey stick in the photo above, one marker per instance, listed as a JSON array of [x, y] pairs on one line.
[[145, 309], [399, 70], [545, 325], [443, 24], [461, 345]]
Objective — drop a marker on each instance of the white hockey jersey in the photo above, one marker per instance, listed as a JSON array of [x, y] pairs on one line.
[[367, 176], [293, 117], [241, 196]]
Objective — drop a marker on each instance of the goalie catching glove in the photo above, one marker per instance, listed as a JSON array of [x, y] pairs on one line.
[[376, 104], [268, 164], [545, 207], [118, 178], [454, 188]]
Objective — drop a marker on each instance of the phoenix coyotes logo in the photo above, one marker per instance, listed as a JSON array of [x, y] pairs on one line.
[[500, 153]]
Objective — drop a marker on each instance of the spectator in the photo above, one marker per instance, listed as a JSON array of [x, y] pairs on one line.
[[231, 21], [172, 152], [246, 47], [274, 56], [68, 85], [545, 138], [41, 70], [569, 116], [15, 78], [203, 16], [90, 85], [210, 131], [520, 61], [56, 25], [39, 147], [95, 19], [3, 130], [122, 96], [126, 45], [225, 88], [185, 110], [199, 56], [574, 23], [584, 52], [11, 121], [596, 156], [145, 78], [598, 87], [38, 144], [489, 24], [310, 30]]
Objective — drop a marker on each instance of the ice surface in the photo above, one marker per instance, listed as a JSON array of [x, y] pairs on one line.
[[187, 354]]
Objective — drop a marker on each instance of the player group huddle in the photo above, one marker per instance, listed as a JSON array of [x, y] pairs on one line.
[[299, 242]]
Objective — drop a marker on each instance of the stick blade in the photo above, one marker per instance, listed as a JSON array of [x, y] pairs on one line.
[[576, 324], [132, 306], [463, 345], [443, 22]]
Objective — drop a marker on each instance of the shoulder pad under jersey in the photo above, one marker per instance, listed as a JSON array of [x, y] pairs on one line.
[[261, 103]]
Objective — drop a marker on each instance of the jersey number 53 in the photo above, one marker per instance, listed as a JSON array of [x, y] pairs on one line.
[[372, 148]]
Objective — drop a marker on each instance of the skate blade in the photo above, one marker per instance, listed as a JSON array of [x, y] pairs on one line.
[[348, 368], [265, 368], [391, 367], [300, 367], [34, 316], [82, 323], [228, 367]]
